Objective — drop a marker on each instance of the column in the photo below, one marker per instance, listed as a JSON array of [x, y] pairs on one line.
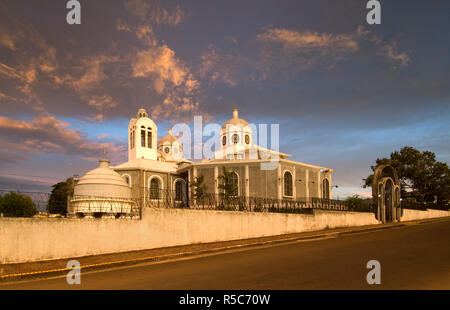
[[307, 183], [279, 181], [216, 180], [247, 182], [194, 178], [294, 184], [319, 192]]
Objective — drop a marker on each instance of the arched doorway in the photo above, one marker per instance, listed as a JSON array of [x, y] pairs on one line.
[[388, 200], [386, 194]]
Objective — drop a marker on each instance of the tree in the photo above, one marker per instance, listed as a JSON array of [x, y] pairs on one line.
[[419, 173], [199, 188], [57, 203], [17, 205], [227, 186]]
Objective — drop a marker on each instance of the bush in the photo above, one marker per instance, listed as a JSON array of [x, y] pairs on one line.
[[17, 205]]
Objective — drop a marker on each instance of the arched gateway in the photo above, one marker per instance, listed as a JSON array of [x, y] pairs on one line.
[[386, 194]]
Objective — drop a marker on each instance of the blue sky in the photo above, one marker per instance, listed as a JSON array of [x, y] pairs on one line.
[[344, 92]]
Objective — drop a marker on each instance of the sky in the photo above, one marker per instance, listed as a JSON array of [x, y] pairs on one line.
[[343, 92]]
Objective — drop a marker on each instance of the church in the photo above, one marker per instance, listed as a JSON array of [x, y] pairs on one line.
[[157, 174]]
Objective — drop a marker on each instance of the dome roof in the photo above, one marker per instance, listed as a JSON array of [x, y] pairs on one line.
[[104, 182], [169, 138], [142, 113], [235, 121]]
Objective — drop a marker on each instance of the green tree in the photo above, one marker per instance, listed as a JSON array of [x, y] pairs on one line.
[[199, 188], [228, 187], [418, 172], [57, 203], [17, 205]]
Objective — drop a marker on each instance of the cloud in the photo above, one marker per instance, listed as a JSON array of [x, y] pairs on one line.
[[47, 134], [92, 74], [390, 53], [10, 158], [102, 102], [220, 68], [286, 51], [297, 39], [162, 63], [155, 12]]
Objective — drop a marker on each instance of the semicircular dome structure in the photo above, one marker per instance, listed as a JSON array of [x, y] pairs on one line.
[[235, 121], [103, 182], [169, 138]]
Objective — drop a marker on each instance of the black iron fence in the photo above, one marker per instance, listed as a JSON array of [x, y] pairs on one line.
[[82, 206], [424, 205], [172, 199]]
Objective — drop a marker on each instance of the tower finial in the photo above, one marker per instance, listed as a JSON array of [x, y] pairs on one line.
[[235, 113]]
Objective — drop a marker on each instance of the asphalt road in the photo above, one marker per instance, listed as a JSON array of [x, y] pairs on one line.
[[411, 257]]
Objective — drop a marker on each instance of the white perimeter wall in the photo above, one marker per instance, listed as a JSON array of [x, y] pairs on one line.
[[30, 239], [409, 215], [33, 239]]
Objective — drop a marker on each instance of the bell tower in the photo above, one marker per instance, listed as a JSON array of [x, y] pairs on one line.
[[142, 137]]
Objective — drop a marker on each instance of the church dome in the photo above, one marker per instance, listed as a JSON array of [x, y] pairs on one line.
[[235, 121], [102, 182], [169, 138], [141, 113]]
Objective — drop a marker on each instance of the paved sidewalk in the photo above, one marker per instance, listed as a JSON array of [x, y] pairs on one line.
[[10, 272]]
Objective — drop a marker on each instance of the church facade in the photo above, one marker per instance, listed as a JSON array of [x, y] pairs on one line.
[[156, 165], [156, 170]]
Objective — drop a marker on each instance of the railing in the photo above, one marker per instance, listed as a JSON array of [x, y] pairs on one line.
[[99, 206], [126, 207], [170, 199], [424, 205]]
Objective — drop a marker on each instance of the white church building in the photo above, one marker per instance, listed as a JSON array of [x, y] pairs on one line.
[[156, 174]]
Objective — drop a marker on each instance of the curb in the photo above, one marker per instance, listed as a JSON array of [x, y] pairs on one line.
[[129, 262]]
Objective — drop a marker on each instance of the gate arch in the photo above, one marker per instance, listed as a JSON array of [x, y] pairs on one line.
[[386, 194]]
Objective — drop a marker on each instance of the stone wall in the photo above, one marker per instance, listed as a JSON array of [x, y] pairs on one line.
[[410, 215], [32, 239]]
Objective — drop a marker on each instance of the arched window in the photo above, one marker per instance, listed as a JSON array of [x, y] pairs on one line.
[[149, 138], [224, 140], [288, 184], [127, 179], [131, 138], [155, 188], [235, 138], [143, 136], [179, 190], [325, 189], [247, 139], [235, 182]]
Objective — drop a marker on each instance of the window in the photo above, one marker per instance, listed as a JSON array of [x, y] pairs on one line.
[[235, 182], [127, 179], [247, 139], [179, 190], [143, 136], [326, 189], [235, 138], [132, 139], [288, 184], [224, 140], [166, 150], [149, 138], [155, 189]]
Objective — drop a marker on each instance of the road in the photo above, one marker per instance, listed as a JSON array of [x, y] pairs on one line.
[[415, 256]]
